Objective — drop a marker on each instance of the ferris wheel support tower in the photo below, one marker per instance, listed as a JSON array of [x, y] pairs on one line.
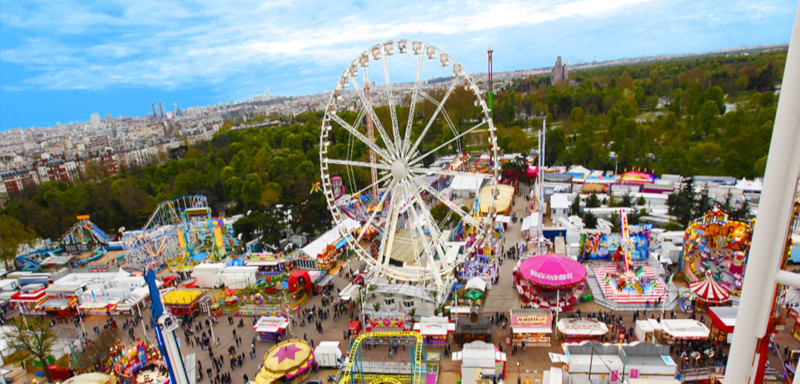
[[755, 319]]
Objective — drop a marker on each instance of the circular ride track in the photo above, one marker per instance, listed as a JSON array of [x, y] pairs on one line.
[[380, 139]]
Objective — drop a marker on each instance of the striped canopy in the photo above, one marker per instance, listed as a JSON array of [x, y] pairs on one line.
[[710, 291]]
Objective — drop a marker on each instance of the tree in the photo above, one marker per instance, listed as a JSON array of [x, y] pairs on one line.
[[589, 220], [315, 214], [627, 200], [592, 201], [273, 222], [32, 337], [681, 203], [12, 234], [576, 205]]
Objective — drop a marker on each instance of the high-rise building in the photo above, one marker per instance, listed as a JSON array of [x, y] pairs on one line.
[[95, 120], [560, 72], [161, 107], [155, 113]]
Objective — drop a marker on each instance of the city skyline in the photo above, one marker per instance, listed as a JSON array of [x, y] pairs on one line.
[[64, 62]]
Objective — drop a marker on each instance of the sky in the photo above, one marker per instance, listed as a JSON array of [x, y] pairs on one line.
[[62, 60]]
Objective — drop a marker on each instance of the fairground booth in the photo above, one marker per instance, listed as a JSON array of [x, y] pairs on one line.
[[271, 327], [550, 281], [473, 327], [683, 329], [531, 326], [28, 301], [709, 292], [723, 319], [269, 264], [576, 330], [481, 363], [648, 330], [183, 301], [434, 329]]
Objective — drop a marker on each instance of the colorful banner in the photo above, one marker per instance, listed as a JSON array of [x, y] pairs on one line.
[[603, 246], [389, 322]]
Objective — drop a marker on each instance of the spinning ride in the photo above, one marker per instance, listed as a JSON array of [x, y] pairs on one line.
[[286, 360], [716, 246], [392, 184], [550, 281]]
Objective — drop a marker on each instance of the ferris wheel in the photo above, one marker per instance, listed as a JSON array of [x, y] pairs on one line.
[[386, 139]]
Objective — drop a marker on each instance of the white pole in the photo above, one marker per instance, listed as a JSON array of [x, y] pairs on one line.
[[772, 224], [141, 319]]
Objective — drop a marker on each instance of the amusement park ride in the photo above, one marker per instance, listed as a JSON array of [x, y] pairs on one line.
[[179, 234], [399, 194]]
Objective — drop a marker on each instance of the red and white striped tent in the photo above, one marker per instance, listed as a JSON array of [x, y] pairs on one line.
[[710, 291]]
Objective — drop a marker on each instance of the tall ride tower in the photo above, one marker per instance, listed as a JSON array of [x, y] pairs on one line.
[[491, 107]]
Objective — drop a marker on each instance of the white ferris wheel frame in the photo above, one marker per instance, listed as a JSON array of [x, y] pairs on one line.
[[402, 167]]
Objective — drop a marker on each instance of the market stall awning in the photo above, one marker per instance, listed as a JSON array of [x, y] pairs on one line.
[[477, 283], [686, 329], [552, 271], [723, 318], [182, 296], [531, 330], [434, 326], [473, 294], [710, 291], [582, 327], [271, 324]]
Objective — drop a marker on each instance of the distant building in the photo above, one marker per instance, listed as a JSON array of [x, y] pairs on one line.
[[155, 113], [560, 72], [161, 108]]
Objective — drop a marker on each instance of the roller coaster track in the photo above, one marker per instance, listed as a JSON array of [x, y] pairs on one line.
[[169, 212], [353, 373]]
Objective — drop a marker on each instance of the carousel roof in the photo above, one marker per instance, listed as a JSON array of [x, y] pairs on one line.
[[552, 271], [710, 291]]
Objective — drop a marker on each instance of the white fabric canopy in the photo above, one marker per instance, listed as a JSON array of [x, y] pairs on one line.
[[477, 283]]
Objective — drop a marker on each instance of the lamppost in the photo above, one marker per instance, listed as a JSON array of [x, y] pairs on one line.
[[519, 378]]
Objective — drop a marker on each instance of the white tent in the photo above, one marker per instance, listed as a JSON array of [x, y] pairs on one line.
[[314, 248], [477, 283], [466, 183], [685, 329]]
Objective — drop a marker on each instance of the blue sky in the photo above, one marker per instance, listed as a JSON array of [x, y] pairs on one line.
[[63, 60]]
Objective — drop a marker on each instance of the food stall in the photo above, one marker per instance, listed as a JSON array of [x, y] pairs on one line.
[[577, 330], [271, 327], [531, 326], [723, 320], [683, 329], [268, 264], [647, 330], [434, 329], [183, 301]]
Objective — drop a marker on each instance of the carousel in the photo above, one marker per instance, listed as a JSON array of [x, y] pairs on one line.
[[709, 292], [286, 360], [140, 363], [550, 281]]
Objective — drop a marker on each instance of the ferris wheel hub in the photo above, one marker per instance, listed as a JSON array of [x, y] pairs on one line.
[[399, 169]]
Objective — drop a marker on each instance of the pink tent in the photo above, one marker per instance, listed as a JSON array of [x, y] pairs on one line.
[[532, 172], [710, 291], [552, 271]]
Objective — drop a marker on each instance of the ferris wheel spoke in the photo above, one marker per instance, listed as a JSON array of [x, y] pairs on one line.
[[389, 96], [385, 252], [367, 105], [360, 136], [377, 182], [362, 164], [429, 253], [414, 94], [447, 172], [450, 204], [435, 114], [462, 134], [445, 115], [371, 218]]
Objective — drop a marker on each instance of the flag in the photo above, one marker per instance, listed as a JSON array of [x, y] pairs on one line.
[[639, 271], [669, 281]]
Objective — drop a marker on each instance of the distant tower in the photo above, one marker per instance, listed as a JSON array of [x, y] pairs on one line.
[[491, 108], [155, 113], [560, 72], [161, 107]]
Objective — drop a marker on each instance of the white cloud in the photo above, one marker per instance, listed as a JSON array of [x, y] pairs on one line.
[[173, 44]]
